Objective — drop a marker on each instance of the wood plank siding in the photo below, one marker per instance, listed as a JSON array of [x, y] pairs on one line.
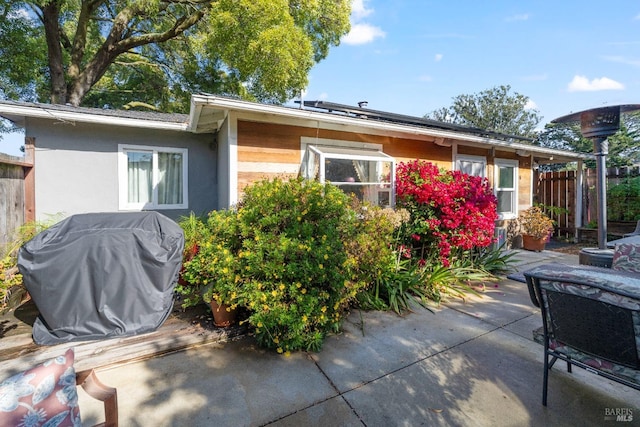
[[266, 150]]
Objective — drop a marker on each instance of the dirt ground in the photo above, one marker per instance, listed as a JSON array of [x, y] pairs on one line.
[[567, 247]]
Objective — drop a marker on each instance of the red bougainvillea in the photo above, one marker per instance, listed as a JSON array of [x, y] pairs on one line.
[[449, 209]]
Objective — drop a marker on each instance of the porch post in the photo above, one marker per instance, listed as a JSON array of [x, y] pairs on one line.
[[29, 179], [579, 197]]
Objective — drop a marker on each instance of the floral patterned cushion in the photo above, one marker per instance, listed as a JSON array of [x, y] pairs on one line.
[[626, 258], [41, 396], [617, 288], [597, 363]]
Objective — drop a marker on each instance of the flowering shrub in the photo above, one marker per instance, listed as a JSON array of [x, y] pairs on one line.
[[280, 254], [295, 283], [210, 270], [449, 210]]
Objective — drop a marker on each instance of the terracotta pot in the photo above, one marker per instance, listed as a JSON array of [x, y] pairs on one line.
[[531, 243], [222, 315]]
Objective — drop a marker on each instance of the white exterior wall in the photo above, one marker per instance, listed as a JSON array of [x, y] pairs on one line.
[[76, 166], [224, 165]]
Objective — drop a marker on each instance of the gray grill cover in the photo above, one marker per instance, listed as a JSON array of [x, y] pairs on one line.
[[95, 276]]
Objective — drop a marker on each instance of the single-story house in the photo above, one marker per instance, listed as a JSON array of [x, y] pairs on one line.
[[100, 160]]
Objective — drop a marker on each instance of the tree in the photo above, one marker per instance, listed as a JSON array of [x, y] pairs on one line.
[[494, 109], [624, 145], [157, 52]]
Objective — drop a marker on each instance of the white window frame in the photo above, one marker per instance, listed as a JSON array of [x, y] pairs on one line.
[[514, 197], [353, 151], [123, 178], [474, 159]]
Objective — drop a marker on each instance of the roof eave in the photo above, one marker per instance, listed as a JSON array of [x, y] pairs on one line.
[[18, 113], [198, 102]]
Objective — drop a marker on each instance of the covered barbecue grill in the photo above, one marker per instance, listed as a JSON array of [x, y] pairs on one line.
[[102, 275]]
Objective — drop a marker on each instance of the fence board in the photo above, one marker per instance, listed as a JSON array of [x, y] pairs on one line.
[[559, 189], [12, 197], [11, 202]]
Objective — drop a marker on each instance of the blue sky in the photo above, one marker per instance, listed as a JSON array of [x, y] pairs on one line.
[[414, 56]]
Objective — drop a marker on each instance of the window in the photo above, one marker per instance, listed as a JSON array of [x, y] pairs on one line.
[[506, 186], [472, 165], [152, 177], [368, 174]]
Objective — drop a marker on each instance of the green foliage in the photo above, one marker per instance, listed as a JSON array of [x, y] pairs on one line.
[[398, 288], [293, 256], [623, 201], [490, 260], [210, 269], [10, 277], [624, 145], [23, 54], [454, 281], [155, 53], [298, 254], [383, 279], [281, 255], [494, 109]]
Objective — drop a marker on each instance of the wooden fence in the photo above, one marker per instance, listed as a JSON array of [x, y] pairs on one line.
[[558, 189], [16, 194]]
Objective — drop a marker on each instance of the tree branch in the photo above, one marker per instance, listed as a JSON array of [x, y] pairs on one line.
[[116, 43], [80, 39]]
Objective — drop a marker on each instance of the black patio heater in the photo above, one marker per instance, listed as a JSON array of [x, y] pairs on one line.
[[597, 124]]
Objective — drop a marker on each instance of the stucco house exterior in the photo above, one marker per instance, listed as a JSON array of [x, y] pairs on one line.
[[95, 160]]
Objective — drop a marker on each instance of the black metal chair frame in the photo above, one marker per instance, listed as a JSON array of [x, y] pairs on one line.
[[589, 326]]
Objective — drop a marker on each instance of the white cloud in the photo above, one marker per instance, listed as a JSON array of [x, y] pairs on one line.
[[438, 57], [582, 84], [520, 17], [323, 96], [425, 78], [637, 18], [530, 105], [359, 9], [362, 34]]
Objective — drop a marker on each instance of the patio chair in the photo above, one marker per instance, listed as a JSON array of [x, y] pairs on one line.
[[48, 392], [108, 395], [635, 232], [590, 318]]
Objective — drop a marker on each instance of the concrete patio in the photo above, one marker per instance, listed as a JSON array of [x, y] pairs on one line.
[[471, 363]]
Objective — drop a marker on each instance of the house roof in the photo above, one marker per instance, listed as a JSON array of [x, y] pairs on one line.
[[17, 112], [208, 112], [366, 113]]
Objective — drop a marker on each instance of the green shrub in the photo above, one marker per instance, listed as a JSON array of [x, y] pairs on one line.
[[211, 267], [281, 254], [11, 289], [623, 201], [295, 283]]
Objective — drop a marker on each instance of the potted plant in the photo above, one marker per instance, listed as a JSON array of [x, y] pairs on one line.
[[536, 227], [210, 269]]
